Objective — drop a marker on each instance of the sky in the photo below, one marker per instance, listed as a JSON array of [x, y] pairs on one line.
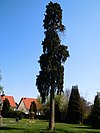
[[21, 35]]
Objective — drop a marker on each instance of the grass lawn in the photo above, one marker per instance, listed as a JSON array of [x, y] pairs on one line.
[[25, 126]]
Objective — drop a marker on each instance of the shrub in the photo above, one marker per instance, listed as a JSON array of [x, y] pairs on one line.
[[14, 114]]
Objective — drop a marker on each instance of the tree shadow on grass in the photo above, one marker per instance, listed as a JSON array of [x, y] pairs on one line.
[[87, 129], [77, 131], [11, 128], [63, 131], [21, 129], [83, 127], [56, 131]]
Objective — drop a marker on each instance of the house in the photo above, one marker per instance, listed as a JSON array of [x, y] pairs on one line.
[[10, 99], [24, 105]]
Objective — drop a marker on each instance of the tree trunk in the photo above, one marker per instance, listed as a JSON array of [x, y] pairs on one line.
[[52, 110]]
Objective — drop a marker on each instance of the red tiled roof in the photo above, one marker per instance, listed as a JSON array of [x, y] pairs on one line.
[[27, 102], [10, 99]]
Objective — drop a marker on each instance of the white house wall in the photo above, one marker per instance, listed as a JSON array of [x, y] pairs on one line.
[[22, 108]]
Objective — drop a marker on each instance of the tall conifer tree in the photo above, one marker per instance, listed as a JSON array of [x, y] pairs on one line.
[[50, 78]]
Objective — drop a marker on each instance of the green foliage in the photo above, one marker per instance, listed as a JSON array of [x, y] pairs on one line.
[[61, 105], [5, 108], [95, 114], [15, 114], [62, 102], [53, 17], [86, 110], [74, 113]]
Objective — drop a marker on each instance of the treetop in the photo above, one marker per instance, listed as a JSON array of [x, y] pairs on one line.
[[53, 17]]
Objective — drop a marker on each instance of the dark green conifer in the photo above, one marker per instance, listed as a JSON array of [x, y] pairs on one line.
[[50, 78], [74, 112], [95, 113], [5, 108], [33, 107]]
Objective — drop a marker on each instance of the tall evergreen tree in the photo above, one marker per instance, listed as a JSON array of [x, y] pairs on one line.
[[74, 106], [50, 78], [95, 113]]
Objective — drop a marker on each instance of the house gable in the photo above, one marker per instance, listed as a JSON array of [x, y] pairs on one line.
[[24, 104], [22, 107]]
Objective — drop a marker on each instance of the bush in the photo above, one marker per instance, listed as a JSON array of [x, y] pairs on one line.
[[40, 117], [14, 114]]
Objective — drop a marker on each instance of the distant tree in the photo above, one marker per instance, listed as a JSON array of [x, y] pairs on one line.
[[1, 88], [5, 108], [50, 78], [74, 112], [62, 102], [86, 110], [95, 113], [67, 93], [61, 105]]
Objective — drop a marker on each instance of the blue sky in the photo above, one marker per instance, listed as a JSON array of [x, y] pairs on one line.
[[21, 34]]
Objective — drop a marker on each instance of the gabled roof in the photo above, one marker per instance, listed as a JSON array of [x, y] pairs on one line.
[[10, 99], [27, 102]]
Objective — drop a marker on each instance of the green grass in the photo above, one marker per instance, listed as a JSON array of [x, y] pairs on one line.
[[25, 126]]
